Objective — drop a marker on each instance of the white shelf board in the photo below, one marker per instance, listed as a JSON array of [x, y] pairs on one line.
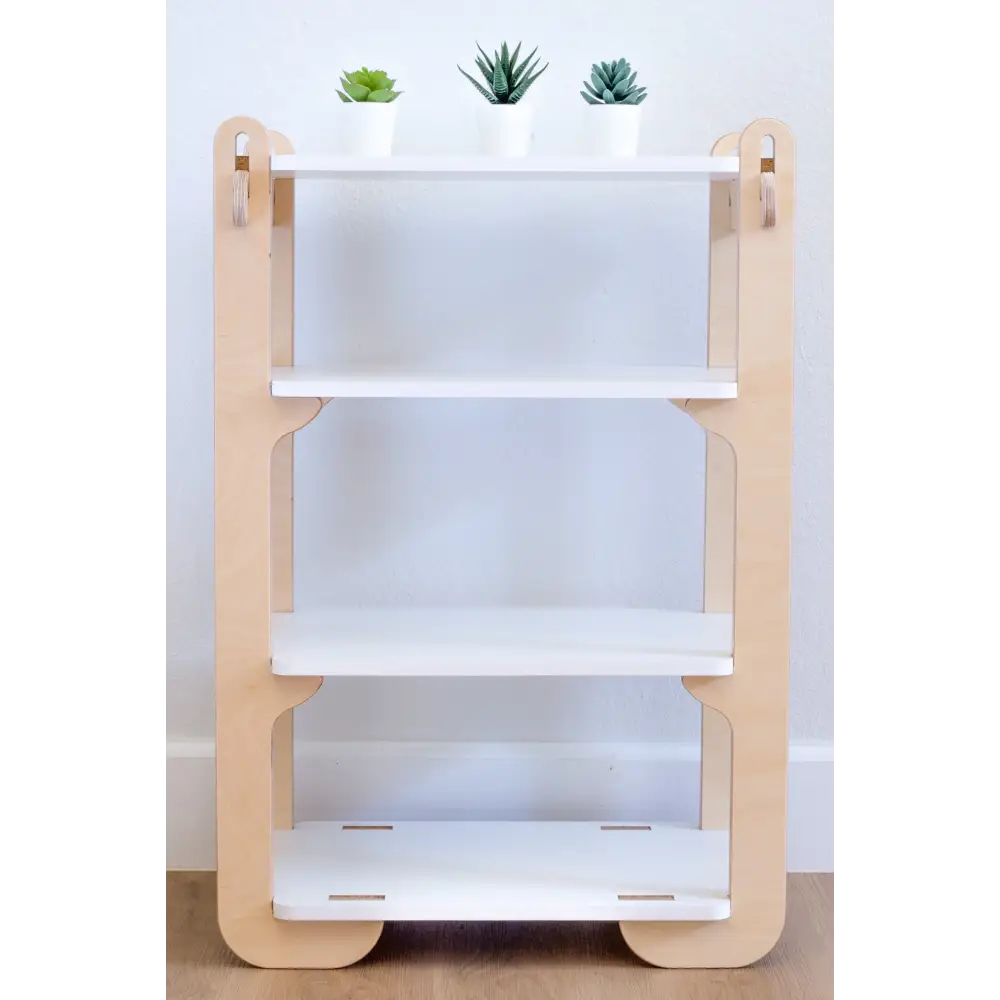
[[501, 642], [639, 382], [500, 871], [663, 168]]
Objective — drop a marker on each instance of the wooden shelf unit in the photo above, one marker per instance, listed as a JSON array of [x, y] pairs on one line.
[[315, 895]]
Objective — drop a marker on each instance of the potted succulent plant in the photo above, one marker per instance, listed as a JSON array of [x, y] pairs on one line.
[[505, 124], [370, 120], [614, 118]]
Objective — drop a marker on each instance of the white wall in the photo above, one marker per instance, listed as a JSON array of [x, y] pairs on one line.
[[452, 502]]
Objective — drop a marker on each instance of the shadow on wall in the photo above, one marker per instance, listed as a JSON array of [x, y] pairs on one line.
[[499, 502], [511, 273]]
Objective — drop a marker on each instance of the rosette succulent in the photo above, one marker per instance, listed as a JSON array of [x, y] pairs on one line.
[[367, 85], [613, 83], [507, 81]]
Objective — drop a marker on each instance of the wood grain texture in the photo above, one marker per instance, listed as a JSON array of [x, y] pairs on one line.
[[282, 353], [283, 467], [249, 422], [720, 482], [758, 426], [283, 770], [248, 696], [723, 246], [489, 961]]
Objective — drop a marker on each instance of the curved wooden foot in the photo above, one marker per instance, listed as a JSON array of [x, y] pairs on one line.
[[719, 944], [260, 940], [244, 777], [757, 829], [245, 804]]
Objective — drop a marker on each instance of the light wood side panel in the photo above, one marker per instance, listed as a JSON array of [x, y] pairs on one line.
[[249, 698], [758, 425], [283, 466], [720, 481]]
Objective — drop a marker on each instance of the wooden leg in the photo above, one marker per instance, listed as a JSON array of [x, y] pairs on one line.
[[720, 540], [282, 519], [716, 769], [720, 482], [754, 698], [283, 770], [283, 465], [249, 698]]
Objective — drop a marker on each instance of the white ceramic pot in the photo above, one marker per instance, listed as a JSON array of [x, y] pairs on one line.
[[505, 129], [613, 129], [367, 127]]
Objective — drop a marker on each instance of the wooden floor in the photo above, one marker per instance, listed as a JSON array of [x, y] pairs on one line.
[[486, 961]]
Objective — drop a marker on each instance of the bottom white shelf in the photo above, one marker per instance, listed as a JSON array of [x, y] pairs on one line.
[[500, 871]]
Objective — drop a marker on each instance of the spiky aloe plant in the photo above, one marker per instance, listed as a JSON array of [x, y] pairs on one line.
[[613, 83], [368, 85], [507, 80]]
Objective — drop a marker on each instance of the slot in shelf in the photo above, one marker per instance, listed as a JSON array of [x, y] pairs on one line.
[[501, 642], [662, 168], [500, 871], [637, 382]]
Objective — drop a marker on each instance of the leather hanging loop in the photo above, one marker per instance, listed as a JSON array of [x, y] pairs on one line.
[[241, 197], [768, 200]]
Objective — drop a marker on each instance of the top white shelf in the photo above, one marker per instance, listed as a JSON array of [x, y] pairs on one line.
[[662, 168]]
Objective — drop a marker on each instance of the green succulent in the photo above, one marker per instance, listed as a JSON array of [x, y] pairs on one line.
[[613, 83], [506, 79], [367, 85]]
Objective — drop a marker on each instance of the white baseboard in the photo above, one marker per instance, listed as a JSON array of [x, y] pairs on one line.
[[600, 781]]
